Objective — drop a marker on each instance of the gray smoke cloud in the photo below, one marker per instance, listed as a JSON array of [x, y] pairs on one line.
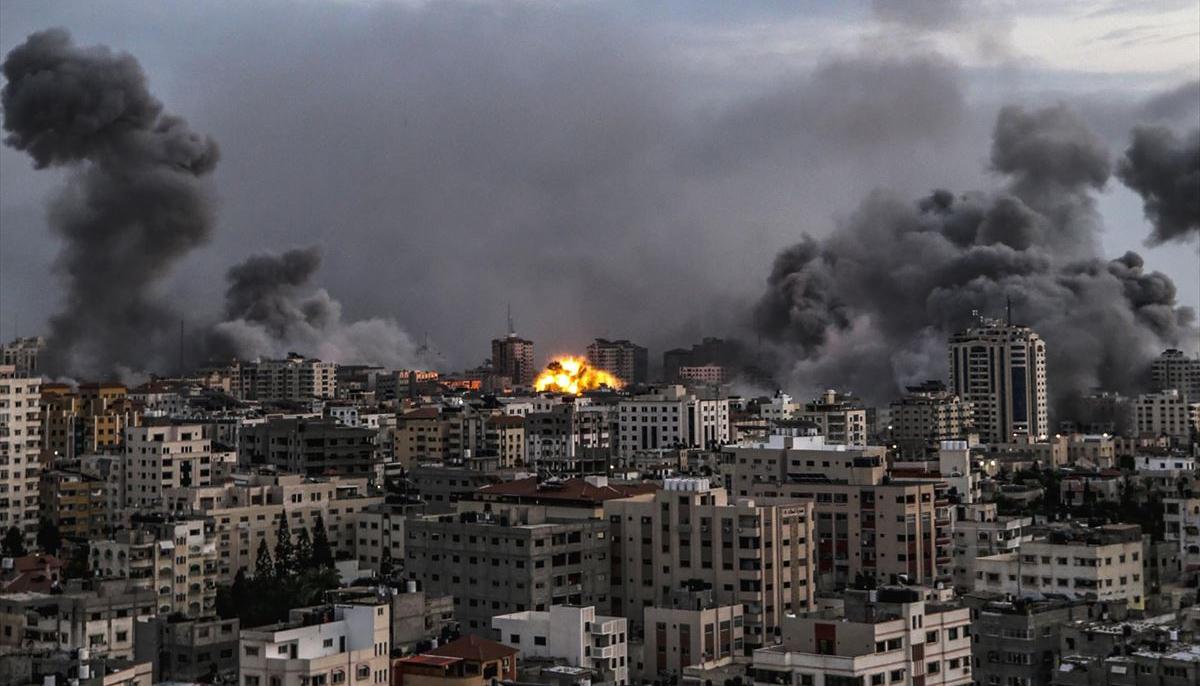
[[870, 306], [133, 206], [1165, 170], [272, 309]]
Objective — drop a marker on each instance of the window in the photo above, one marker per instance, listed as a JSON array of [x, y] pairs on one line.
[[933, 667], [539, 640], [931, 636], [896, 675], [877, 679], [251, 651]]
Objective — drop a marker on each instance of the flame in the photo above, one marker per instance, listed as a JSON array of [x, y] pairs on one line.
[[573, 375]]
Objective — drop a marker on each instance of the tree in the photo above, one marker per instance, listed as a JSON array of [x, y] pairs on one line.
[[285, 557], [262, 563], [49, 539], [322, 554], [304, 550], [80, 565], [13, 544]]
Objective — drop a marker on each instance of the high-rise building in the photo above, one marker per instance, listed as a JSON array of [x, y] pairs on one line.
[[671, 418], [162, 456], [1175, 370], [294, 378], [624, 360], [1166, 413], [512, 356], [20, 444], [1000, 368]]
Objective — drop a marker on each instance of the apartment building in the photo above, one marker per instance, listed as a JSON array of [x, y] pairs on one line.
[[896, 636], [246, 512], [1181, 518], [88, 419], [512, 559], [162, 456], [1166, 413], [627, 361], [759, 555], [569, 441], [293, 378], [346, 643], [381, 531], [1176, 370], [979, 531], [505, 437], [1103, 562], [74, 502], [840, 419], [1000, 368], [99, 617], [670, 418], [186, 650], [576, 635], [512, 356], [20, 446], [927, 415], [466, 661], [702, 375], [22, 355], [442, 487], [420, 436], [312, 447], [690, 630], [864, 524], [177, 559], [1016, 639]]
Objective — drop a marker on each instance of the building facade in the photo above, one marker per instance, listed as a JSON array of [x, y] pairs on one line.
[[20, 449], [1001, 370]]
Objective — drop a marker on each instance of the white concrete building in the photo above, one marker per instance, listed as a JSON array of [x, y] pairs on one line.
[[980, 532], [671, 418], [574, 634], [162, 456], [894, 637], [20, 447], [342, 644]]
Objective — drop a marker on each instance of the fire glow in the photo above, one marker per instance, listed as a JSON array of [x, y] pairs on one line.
[[573, 375]]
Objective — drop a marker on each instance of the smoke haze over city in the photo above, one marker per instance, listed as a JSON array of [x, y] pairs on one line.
[[839, 188]]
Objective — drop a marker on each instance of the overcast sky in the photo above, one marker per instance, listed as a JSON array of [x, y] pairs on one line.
[[610, 169]]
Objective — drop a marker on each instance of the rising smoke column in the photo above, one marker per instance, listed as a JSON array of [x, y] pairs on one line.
[[1165, 170], [134, 204], [871, 305], [272, 309]]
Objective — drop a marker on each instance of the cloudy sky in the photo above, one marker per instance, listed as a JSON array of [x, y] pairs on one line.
[[619, 169]]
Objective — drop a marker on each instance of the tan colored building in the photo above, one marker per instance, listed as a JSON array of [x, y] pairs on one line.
[[100, 618], [1167, 413], [893, 636], [927, 415], [75, 503], [505, 436], [1000, 368], [247, 510], [693, 630], [20, 443], [175, 559], [346, 643], [1104, 561], [90, 419], [761, 556], [864, 524], [293, 378], [421, 435], [839, 419]]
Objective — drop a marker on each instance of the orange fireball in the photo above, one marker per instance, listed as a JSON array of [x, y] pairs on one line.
[[573, 375]]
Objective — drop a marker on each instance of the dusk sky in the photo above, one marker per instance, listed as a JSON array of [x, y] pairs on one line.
[[616, 169]]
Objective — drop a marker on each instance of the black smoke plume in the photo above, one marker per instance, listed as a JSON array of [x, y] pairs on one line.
[[1165, 170], [272, 309], [134, 204], [870, 307]]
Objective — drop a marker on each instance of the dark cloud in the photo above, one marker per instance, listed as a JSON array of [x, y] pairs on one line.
[[1165, 170], [873, 303], [133, 206]]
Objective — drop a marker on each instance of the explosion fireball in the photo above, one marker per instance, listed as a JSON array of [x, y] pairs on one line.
[[573, 375]]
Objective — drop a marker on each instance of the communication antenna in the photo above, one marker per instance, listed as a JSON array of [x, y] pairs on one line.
[[181, 374], [1008, 309], [512, 330]]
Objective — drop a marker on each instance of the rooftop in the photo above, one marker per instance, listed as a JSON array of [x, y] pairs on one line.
[[475, 649]]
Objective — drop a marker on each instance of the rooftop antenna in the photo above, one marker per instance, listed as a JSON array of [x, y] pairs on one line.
[[512, 330], [1008, 309], [181, 349]]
